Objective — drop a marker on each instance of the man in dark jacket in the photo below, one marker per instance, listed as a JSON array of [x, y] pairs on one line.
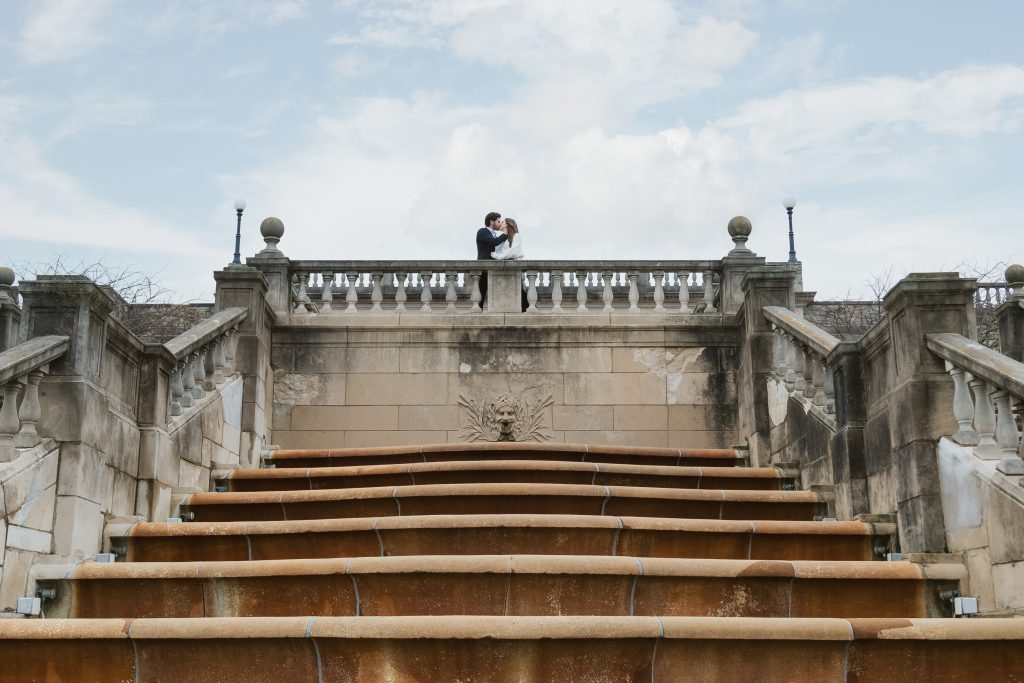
[[487, 240]]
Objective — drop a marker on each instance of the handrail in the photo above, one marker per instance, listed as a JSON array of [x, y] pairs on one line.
[[979, 360], [524, 264], [31, 355], [205, 332], [809, 334]]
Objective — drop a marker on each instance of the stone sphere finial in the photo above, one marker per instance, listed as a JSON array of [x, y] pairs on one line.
[[6, 284], [272, 230], [739, 231], [1015, 278]]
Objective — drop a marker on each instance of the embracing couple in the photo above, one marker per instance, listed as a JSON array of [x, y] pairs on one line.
[[499, 239]]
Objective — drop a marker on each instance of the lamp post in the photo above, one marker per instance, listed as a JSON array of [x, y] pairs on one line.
[[239, 208], [789, 203]]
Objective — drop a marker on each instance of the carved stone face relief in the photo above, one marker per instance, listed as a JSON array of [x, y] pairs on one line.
[[504, 418]]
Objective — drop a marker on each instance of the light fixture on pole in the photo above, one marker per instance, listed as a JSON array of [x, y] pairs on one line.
[[239, 208], [789, 203]]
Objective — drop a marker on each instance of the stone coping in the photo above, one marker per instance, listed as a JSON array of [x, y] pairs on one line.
[[815, 338], [491, 447], [979, 360], [28, 356], [203, 333], [501, 465], [497, 521], [515, 628], [507, 564], [530, 490]]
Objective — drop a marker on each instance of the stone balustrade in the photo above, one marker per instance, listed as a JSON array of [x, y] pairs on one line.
[[991, 294], [551, 287], [21, 369], [205, 358], [799, 356], [986, 387]]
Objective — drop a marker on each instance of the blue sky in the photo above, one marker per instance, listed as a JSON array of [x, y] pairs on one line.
[[608, 128]]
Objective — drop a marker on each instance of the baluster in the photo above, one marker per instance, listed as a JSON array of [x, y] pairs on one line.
[[199, 374], [984, 420], [799, 383], [327, 295], [963, 407], [608, 295], [231, 339], [210, 367], [818, 380], [556, 291], [188, 380], [474, 295], [425, 294], [808, 367], [684, 291], [351, 295], [531, 291], [581, 291], [791, 365], [176, 389], [709, 292], [659, 291], [29, 412], [1006, 434], [451, 296], [9, 421], [400, 296], [302, 297], [376, 294], [634, 293], [779, 355], [830, 391]]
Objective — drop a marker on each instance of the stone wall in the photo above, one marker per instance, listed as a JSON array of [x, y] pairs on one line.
[[634, 385], [984, 518]]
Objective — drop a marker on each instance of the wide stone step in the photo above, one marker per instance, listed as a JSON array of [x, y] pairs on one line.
[[479, 499], [500, 585], [501, 534], [504, 471], [470, 649], [390, 455]]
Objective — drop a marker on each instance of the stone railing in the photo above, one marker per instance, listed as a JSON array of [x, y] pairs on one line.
[[986, 385], [551, 287], [21, 369], [800, 353], [205, 358], [991, 294]]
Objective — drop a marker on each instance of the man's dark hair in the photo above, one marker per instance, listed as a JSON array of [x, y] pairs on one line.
[[490, 218]]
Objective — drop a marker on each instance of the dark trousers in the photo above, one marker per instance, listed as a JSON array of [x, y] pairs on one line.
[[483, 289]]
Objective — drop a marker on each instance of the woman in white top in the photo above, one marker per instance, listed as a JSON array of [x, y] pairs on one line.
[[515, 242]]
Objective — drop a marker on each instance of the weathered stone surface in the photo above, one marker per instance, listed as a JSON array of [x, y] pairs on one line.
[[78, 531], [32, 540], [341, 418], [37, 511], [618, 388], [33, 479], [395, 389], [635, 418], [582, 418]]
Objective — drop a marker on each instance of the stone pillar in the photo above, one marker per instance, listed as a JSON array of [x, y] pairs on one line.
[[504, 289], [96, 445], [158, 460], [849, 467], [248, 288], [274, 265], [10, 312], [1011, 316], [920, 394], [764, 286], [736, 264]]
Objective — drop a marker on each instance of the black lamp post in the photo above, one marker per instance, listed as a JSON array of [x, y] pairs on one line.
[[239, 208], [789, 203]]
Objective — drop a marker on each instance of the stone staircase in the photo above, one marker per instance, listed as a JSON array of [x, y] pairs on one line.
[[506, 562]]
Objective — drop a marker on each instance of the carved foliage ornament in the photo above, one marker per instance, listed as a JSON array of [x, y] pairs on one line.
[[505, 418]]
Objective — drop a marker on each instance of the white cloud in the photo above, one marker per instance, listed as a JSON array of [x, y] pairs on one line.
[[63, 29]]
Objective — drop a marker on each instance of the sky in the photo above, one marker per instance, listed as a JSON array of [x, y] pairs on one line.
[[625, 129]]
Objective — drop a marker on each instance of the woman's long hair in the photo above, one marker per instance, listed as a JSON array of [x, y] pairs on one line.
[[511, 229]]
